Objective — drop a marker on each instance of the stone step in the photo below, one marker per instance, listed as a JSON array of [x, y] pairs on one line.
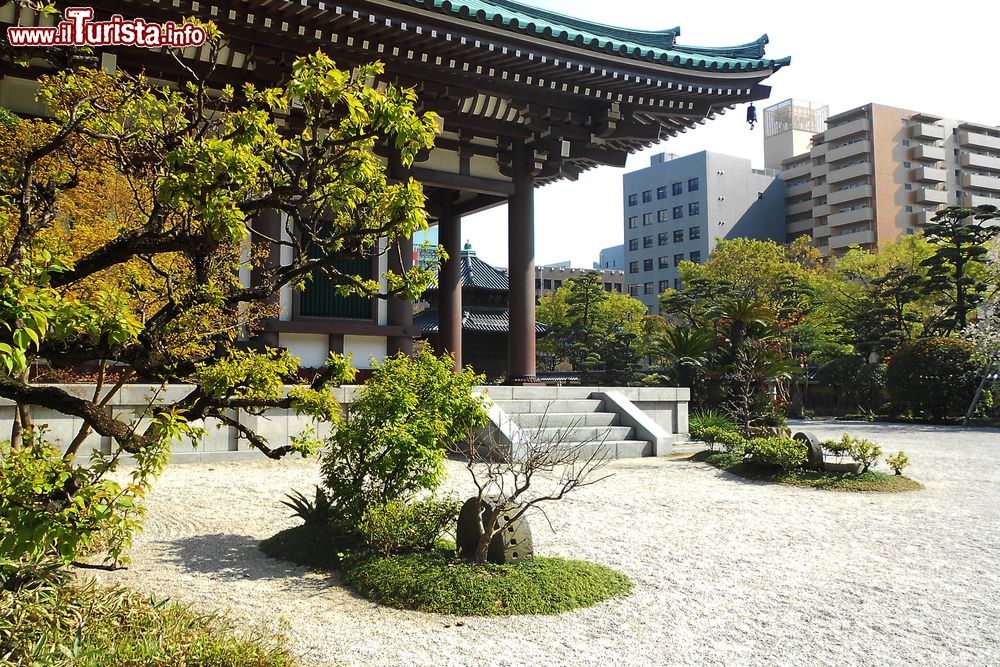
[[531, 420], [516, 407], [614, 449], [594, 434]]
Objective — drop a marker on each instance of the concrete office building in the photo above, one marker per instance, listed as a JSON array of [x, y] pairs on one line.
[[611, 258], [678, 207], [551, 277], [878, 172]]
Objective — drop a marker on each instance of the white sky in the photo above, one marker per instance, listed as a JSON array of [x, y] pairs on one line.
[[921, 55]]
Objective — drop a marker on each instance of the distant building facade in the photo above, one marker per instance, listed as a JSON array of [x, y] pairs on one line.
[[877, 172], [612, 258], [550, 278], [676, 209]]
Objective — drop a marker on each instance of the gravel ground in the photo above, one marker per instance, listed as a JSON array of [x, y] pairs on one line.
[[727, 571]]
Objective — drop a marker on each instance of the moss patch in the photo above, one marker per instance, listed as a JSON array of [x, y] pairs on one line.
[[440, 582], [867, 482]]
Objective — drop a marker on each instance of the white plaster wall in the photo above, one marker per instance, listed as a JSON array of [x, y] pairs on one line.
[[363, 348], [311, 349]]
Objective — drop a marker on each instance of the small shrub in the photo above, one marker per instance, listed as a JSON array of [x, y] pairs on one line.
[[709, 419], [732, 442], [318, 512], [861, 451], [898, 462], [934, 376], [398, 527], [392, 442], [713, 435], [784, 453]]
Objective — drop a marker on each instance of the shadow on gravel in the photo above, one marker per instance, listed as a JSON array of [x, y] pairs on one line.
[[237, 558]]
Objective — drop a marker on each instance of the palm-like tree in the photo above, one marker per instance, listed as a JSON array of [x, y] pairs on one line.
[[685, 351]]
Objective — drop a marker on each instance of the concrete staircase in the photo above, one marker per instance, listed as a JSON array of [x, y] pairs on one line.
[[576, 422], [601, 420]]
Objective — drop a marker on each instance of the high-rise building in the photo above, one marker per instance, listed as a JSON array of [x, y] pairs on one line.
[[676, 209], [789, 127], [611, 258], [878, 172]]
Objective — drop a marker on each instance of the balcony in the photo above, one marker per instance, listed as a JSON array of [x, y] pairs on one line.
[[979, 182], [849, 151], [850, 217], [976, 140], [792, 191], [971, 201], [847, 129], [848, 173], [800, 227], [822, 210], [821, 190], [929, 175], [926, 131], [791, 173], [923, 217], [799, 207], [930, 196], [860, 237], [926, 153], [986, 162], [850, 194], [821, 231]]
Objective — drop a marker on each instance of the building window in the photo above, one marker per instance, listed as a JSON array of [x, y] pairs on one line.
[[647, 196], [647, 241], [558, 284], [664, 284], [694, 208], [678, 258], [677, 283], [647, 219], [907, 186], [633, 290], [618, 287], [678, 188], [906, 142], [664, 262], [538, 283], [907, 165], [647, 264], [647, 288], [633, 267], [607, 287], [678, 236], [692, 185], [662, 215], [633, 222], [909, 209], [633, 199], [663, 238], [548, 283], [695, 256], [678, 212], [694, 233], [633, 244], [661, 192]]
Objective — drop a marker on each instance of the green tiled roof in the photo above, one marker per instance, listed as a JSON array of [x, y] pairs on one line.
[[651, 45]]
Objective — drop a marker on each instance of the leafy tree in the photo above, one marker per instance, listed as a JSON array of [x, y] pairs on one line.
[[147, 280], [955, 272], [934, 376], [593, 330]]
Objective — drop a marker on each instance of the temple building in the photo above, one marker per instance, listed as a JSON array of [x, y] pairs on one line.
[[485, 316], [527, 97]]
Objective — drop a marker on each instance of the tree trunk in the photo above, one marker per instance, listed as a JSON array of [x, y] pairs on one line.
[[16, 432]]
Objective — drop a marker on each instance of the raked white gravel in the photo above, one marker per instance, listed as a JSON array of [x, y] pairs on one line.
[[727, 572]]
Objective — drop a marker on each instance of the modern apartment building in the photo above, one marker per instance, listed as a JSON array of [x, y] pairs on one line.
[[878, 172], [678, 207], [549, 278]]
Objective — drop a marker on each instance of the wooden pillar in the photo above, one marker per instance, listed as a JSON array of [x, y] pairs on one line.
[[399, 311], [521, 257], [450, 289]]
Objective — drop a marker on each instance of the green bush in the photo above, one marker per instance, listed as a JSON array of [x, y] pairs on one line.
[[397, 527], [45, 621], [709, 419], [784, 453], [898, 462], [861, 451], [936, 377], [732, 442], [392, 442], [318, 512], [711, 435]]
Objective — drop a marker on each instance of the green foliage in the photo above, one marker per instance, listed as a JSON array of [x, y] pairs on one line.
[[732, 441], [711, 435], [860, 450], [858, 382], [48, 622], [708, 417], [871, 481], [784, 453], [399, 527], [393, 440], [317, 512], [442, 583], [956, 270], [934, 376], [898, 462]]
